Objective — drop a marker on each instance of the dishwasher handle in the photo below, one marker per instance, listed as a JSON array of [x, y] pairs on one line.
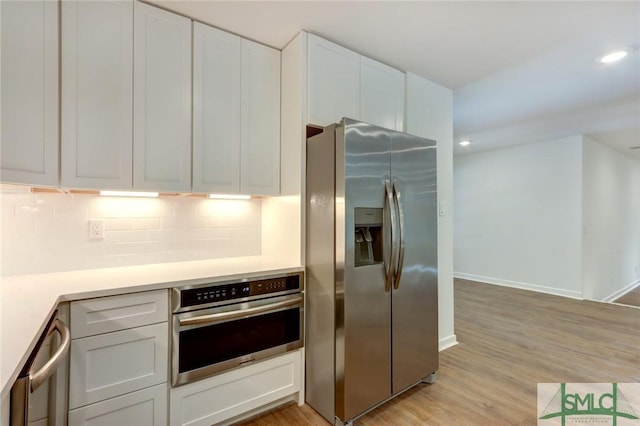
[[27, 384], [39, 377], [242, 313]]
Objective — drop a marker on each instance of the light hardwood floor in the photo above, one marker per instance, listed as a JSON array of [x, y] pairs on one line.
[[510, 340], [632, 298]]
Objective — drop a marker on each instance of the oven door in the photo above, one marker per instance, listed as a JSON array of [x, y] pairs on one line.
[[213, 340]]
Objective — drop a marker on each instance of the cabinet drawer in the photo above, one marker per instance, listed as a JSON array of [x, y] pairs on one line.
[[141, 408], [112, 364], [95, 316], [238, 392]]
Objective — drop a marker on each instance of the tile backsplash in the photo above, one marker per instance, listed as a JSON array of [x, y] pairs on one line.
[[49, 232]]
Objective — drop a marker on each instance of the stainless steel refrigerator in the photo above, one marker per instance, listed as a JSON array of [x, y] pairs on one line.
[[371, 259]]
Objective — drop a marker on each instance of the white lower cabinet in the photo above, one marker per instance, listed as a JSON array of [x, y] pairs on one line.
[[118, 360], [241, 392], [112, 364], [146, 407]]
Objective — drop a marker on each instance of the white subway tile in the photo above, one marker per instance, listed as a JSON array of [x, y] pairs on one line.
[[134, 236], [77, 237], [146, 224], [7, 209], [111, 224], [173, 223], [172, 246], [122, 207], [19, 199], [133, 259], [49, 232], [197, 222], [88, 249]]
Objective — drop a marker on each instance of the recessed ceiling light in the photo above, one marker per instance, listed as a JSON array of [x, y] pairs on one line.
[[464, 143], [614, 56]]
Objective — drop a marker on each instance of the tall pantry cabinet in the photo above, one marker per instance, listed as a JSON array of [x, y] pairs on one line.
[[105, 136], [29, 130]]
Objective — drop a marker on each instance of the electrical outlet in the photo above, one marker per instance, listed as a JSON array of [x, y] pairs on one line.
[[96, 229]]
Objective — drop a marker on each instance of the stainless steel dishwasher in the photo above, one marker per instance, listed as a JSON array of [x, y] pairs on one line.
[[39, 394]]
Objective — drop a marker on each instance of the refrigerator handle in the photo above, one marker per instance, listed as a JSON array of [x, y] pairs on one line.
[[398, 202], [389, 202]]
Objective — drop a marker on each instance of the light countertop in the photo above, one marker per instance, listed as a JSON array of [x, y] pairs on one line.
[[27, 301]]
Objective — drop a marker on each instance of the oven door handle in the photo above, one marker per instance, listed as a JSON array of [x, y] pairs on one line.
[[226, 316]]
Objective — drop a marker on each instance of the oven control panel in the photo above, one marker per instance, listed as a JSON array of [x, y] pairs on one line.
[[236, 291]]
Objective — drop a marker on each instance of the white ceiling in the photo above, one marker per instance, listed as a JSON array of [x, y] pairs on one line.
[[521, 71]]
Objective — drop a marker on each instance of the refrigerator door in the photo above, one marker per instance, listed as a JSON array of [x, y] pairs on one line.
[[415, 297], [363, 308]]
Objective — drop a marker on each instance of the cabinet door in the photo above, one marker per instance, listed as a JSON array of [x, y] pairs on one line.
[[147, 407], [334, 82], [162, 100], [29, 92], [381, 94], [216, 110], [260, 118], [97, 109], [112, 364]]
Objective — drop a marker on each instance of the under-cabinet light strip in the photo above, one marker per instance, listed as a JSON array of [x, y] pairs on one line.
[[229, 197], [128, 194]]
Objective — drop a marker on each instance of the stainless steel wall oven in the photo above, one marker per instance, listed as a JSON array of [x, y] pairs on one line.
[[220, 326]]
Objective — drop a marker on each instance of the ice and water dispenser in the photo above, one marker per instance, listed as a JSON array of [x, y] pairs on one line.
[[368, 236]]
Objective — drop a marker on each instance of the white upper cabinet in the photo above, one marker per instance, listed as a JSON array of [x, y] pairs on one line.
[[216, 110], [343, 83], [136, 83], [334, 82], [381, 94], [162, 100], [236, 114], [29, 92], [260, 120], [97, 94]]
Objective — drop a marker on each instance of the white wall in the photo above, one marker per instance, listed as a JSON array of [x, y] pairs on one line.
[[518, 216], [611, 222], [283, 231], [429, 114], [48, 232]]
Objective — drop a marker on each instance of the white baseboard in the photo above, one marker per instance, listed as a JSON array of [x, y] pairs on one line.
[[447, 342], [523, 286], [613, 296]]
